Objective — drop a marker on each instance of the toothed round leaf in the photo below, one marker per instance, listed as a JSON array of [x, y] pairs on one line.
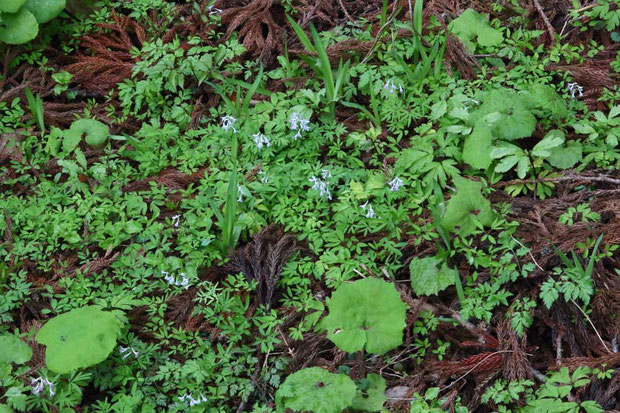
[[77, 339], [315, 390], [11, 6], [45, 10], [368, 314], [430, 275], [18, 28], [373, 397], [13, 350]]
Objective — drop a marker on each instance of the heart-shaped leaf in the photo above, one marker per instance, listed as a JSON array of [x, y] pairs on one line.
[[315, 390], [367, 313], [18, 28], [77, 339], [467, 207], [13, 350]]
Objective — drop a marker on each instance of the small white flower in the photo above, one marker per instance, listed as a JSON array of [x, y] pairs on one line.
[[38, 385], [575, 88], [261, 140], [321, 186], [367, 206], [184, 281], [192, 402], [212, 10], [299, 124], [241, 193], [325, 173], [127, 351], [175, 220], [263, 176], [228, 122], [391, 87], [395, 184]]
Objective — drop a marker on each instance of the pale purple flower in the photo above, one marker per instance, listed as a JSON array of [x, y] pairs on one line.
[[127, 351], [321, 186], [261, 140], [367, 206], [325, 173], [299, 124], [395, 184], [391, 87], [38, 385], [575, 88], [192, 402], [228, 122]]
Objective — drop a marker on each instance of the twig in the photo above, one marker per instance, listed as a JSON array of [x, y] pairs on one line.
[[529, 252], [344, 9], [571, 177], [380, 32], [545, 19], [592, 324]]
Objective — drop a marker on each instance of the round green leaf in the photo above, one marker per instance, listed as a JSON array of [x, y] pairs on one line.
[[13, 350], [315, 390], [94, 132], [369, 314], [79, 338], [45, 10], [10, 6], [430, 275], [17, 28]]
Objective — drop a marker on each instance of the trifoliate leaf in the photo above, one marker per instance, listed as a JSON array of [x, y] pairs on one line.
[[473, 28], [372, 398], [77, 339], [18, 28], [13, 350], [315, 390], [477, 148], [10, 6], [45, 10], [431, 275], [467, 207], [367, 313], [564, 157]]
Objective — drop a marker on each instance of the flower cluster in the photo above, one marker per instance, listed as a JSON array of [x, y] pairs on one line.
[[172, 280], [228, 122], [192, 402], [38, 385], [299, 124], [367, 206], [391, 87], [321, 186], [261, 140], [395, 184], [127, 351], [575, 88]]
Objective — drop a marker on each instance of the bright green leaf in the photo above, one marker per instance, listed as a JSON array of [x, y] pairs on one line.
[[473, 28], [431, 275], [45, 10], [18, 28], [14, 350], [10, 6], [477, 148], [373, 398], [466, 207], [315, 390], [367, 313], [80, 338]]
